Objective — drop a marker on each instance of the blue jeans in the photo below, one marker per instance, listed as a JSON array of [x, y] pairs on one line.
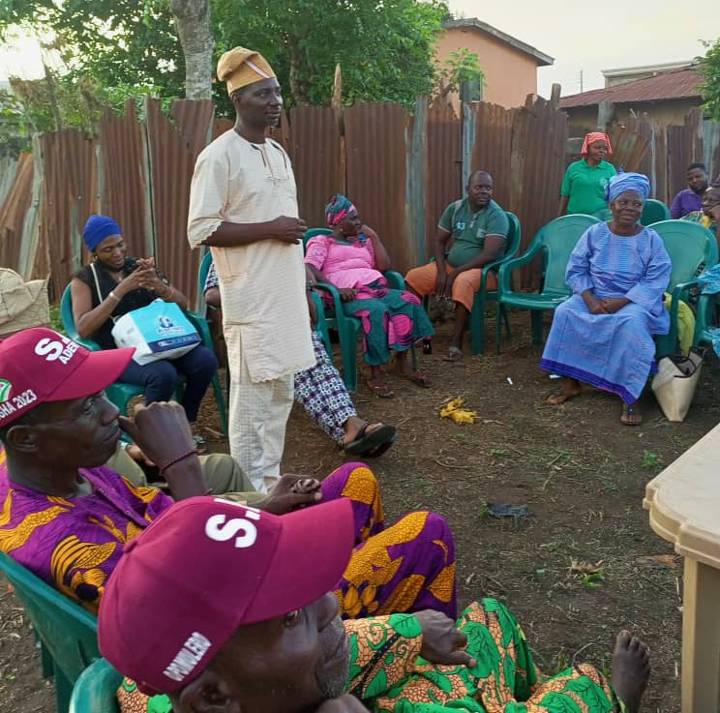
[[160, 378]]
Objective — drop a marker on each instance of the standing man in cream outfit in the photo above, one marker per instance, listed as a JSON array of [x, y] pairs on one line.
[[243, 205]]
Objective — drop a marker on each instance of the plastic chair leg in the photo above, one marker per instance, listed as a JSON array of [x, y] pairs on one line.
[[220, 401], [536, 319], [499, 314], [506, 319], [348, 334], [477, 325], [46, 661], [63, 691], [349, 364]]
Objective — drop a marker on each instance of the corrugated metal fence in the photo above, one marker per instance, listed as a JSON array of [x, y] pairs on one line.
[[401, 168], [663, 152]]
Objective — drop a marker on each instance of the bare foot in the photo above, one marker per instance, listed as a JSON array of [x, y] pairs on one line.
[[630, 670], [570, 388], [631, 415], [354, 425]]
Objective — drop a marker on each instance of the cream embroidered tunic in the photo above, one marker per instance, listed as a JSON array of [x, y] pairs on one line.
[[262, 285]]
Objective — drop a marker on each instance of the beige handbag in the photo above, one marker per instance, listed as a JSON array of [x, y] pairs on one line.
[[22, 304], [675, 383]]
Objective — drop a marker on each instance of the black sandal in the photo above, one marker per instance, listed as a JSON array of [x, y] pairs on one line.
[[371, 444]]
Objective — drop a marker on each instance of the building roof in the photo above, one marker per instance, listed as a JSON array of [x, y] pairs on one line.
[[646, 69], [542, 59], [675, 84]]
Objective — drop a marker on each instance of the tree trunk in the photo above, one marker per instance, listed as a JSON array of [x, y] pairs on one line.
[[298, 87], [192, 20]]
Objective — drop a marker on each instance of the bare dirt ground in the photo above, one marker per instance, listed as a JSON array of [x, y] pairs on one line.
[[583, 564]]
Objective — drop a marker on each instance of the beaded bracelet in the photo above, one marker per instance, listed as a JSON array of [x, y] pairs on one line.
[[177, 460]]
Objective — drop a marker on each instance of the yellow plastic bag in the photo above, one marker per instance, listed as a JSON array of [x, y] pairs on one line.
[[455, 412]]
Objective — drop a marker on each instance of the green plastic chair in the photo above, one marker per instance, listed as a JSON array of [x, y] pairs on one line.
[[348, 328], [120, 393], [603, 215], [67, 632], [556, 241], [95, 691], [321, 325], [483, 295], [654, 211], [689, 245]]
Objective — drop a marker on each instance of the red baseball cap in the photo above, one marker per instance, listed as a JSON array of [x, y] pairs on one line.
[[39, 365], [204, 568]]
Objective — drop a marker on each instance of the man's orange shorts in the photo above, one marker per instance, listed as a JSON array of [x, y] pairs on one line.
[[423, 280]]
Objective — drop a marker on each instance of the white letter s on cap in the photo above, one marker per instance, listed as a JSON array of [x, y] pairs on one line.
[[217, 529], [51, 349]]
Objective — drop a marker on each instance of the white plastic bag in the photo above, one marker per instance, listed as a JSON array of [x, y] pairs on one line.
[[675, 383], [159, 330]]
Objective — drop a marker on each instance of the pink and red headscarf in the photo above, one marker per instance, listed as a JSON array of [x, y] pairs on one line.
[[338, 209], [592, 138]]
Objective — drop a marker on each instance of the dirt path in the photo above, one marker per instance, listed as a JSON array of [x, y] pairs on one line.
[[583, 565]]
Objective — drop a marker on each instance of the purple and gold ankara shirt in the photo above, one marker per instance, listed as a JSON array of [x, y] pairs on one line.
[[74, 543]]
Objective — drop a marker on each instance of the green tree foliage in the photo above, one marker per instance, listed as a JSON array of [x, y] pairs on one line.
[[384, 47], [710, 69], [119, 43], [462, 68], [15, 132]]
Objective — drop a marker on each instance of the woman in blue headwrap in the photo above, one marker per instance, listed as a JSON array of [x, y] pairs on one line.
[[115, 284], [618, 273]]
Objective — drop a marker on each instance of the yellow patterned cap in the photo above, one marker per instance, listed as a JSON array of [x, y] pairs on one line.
[[240, 66]]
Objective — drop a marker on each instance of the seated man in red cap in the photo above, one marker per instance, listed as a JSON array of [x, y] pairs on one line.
[[66, 516], [251, 628]]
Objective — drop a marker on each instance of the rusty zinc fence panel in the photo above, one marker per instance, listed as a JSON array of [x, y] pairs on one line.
[[444, 161], [376, 145], [539, 138], [711, 147], [68, 195], [122, 180], [172, 162], [318, 163], [8, 172], [220, 126], [492, 147], [659, 158], [684, 145], [194, 122], [631, 143], [13, 210]]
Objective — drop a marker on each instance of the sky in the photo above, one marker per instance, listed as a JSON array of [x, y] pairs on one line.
[[590, 37], [621, 33]]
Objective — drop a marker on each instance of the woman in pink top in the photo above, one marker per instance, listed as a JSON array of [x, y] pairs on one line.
[[353, 259]]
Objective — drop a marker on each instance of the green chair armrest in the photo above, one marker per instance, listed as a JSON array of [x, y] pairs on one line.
[[334, 294], [677, 293], [506, 268], [395, 279], [321, 326], [89, 344], [703, 316], [201, 325]]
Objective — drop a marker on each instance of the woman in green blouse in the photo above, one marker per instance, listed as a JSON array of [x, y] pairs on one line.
[[583, 187]]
